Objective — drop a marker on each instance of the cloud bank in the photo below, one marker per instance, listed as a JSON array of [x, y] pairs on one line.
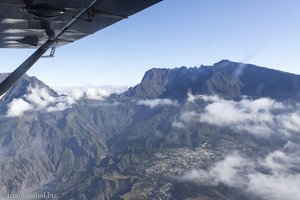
[[274, 176], [38, 99], [279, 179], [262, 117], [89, 93], [17, 107], [152, 103], [92, 92]]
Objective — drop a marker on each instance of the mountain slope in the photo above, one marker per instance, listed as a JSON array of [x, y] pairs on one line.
[[20, 89], [173, 136]]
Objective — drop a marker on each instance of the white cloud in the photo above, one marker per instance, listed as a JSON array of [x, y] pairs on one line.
[[193, 98], [283, 160], [190, 116], [17, 107], [92, 92], [261, 117], [177, 124], [290, 121], [274, 187], [38, 99], [96, 93], [282, 182], [226, 172], [152, 103], [77, 93]]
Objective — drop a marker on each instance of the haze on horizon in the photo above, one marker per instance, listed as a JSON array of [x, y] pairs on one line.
[[171, 34]]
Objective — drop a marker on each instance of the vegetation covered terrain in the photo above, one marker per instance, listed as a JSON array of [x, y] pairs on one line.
[[227, 131]]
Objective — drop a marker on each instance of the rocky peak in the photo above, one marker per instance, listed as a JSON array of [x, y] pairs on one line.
[[21, 87], [169, 83]]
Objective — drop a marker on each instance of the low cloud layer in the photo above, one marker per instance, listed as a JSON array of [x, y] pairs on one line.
[[89, 93], [262, 117], [38, 99], [17, 107], [279, 179], [274, 176], [92, 92], [152, 103]]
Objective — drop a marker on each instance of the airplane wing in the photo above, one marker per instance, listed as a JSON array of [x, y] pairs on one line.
[[42, 24], [29, 23]]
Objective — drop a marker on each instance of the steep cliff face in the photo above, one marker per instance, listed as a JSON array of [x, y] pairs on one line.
[[171, 83], [227, 79], [254, 81]]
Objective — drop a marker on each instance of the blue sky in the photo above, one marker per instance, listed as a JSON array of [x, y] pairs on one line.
[[171, 34]]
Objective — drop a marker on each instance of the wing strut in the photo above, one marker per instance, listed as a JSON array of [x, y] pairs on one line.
[[52, 52], [27, 64]]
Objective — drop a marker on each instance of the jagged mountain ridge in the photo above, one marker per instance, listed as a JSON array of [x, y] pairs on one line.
[[20, 89], [227, 79], [104, 151]]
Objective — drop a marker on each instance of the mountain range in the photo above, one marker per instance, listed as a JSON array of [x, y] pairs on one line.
[[227, 131]]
